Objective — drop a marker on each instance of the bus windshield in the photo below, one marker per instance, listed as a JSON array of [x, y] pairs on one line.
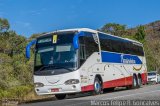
[[55, 57]]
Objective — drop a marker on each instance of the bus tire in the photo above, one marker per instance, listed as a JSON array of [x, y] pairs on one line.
[[134, 82], [60, 96], [97, 86], [139, 81]]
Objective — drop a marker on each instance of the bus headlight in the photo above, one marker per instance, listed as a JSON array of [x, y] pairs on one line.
[[38, 84], [72, 81]]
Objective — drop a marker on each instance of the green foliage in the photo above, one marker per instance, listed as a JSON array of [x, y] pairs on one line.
[[18, 92], [34, 36], [152, 49], [140, 34], [15, 70], [129, 37], [6, 70], [22, 67], [4, 24], [11, 43], [115, 29]]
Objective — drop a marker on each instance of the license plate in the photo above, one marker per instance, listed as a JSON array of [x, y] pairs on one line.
[[55, 90]]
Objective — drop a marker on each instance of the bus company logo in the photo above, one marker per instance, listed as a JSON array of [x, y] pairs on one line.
[[127, 60]]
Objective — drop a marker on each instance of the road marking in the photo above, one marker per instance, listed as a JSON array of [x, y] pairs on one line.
[[132, 94]]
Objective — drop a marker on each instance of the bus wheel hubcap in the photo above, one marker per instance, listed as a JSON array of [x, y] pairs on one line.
[[97, 86], [135, 82]]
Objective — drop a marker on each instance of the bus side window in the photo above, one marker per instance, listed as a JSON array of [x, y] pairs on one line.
[[91, 46], [82, 54], [82, 51], [87, 47]]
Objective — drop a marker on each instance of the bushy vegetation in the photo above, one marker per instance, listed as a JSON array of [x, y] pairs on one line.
[[17, 92], [15, 69]]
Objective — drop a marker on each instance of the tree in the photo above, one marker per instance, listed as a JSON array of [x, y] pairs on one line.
[[34, 36], [140, 34], [152, 50], [13, 67], [115, 29], [4, 25]]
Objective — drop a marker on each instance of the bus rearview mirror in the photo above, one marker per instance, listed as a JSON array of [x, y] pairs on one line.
[[75, 39], [28, 47]]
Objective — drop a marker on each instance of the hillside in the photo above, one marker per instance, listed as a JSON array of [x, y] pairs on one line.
[[153, 44], [152, 30]]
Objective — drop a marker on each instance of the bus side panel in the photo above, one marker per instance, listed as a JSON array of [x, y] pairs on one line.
[[123, 68], [118, 82], [87, 74], [87, 88], [114, 73], [144, 74]]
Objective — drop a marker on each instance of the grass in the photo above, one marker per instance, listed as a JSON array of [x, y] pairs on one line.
[[22, 94]]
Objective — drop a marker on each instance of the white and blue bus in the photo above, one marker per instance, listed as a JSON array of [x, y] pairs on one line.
[[80, 60]]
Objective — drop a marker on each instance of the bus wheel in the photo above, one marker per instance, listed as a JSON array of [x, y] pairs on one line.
[[60, 96], [139, 81], [97, 86], [134, 82]]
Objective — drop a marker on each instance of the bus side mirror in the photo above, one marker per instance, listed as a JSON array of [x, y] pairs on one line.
[[75, 42], [75, 39], [28, 47]]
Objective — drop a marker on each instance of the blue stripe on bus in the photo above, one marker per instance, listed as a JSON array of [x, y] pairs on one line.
[[120, 58]]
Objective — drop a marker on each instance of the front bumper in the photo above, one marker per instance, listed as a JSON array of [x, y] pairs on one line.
[[152, 80], [60, 89]]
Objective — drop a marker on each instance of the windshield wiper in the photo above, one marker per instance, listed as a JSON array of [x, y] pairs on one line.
[[42, 67], [55, 67], [59, 67]]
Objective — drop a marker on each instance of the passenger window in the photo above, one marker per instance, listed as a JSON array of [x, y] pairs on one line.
[[82, 52], [87, 46], [91, 46]]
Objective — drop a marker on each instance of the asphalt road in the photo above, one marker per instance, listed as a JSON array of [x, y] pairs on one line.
[[147, 92]]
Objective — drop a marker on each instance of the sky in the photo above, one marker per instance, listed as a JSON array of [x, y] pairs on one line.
[[27, 17]]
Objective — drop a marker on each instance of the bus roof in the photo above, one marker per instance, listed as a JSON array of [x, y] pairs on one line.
[[93, 31]]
